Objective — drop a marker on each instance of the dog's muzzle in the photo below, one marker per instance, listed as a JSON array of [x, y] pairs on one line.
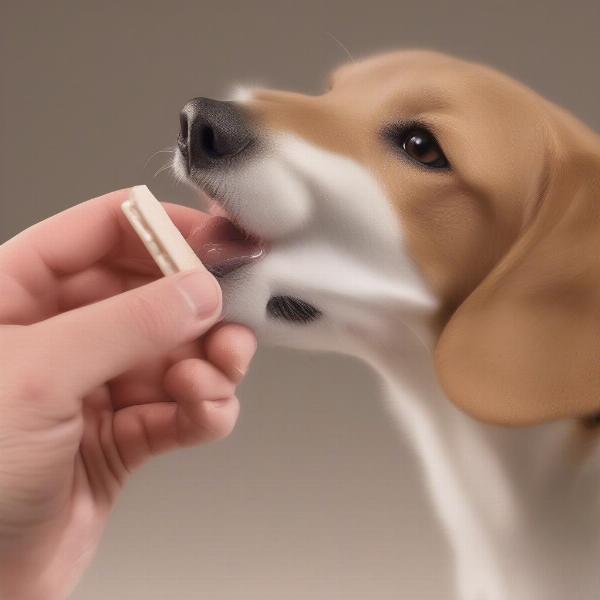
[[213, 135]]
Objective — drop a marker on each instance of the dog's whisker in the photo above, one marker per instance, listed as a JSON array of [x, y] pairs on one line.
[[168, 150], [162, 169], [341, 45]]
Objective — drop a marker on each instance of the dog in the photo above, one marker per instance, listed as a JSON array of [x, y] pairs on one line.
[[440, 221]]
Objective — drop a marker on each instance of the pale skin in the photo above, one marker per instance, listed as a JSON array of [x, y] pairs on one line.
[[103, 365]]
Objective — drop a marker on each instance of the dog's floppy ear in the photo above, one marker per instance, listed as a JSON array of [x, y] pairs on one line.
[[524, 347]]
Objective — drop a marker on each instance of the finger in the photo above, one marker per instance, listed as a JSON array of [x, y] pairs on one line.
[[230, 347], [144, 384], [91, 285], [206, 409], [33, 264], [96, 283], [200, 389], [131, 255], [85, 347], [144, 430], [81, 236]]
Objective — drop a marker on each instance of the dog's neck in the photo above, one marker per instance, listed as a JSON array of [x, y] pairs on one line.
[[443, 440], [485, 482]]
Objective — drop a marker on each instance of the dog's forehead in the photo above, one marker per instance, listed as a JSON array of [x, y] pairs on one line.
[[419, 80], [402, 63], [404, 71]]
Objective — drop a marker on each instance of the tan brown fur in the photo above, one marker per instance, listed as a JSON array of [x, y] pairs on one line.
[[508, 239]]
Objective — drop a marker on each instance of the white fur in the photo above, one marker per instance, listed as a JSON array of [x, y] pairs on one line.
[[509, 500], [242, 93]]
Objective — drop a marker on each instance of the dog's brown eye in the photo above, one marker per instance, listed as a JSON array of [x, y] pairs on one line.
[[419, 144], [423, 147]]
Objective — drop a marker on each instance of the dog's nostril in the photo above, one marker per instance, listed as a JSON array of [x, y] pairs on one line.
[[211, 131], [207, 139], [182, 138], [215, 145], [183, 126]]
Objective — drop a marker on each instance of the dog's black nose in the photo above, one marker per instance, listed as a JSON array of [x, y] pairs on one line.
[[212, 131]]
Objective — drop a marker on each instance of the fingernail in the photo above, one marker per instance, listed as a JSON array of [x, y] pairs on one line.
[[201, 291]]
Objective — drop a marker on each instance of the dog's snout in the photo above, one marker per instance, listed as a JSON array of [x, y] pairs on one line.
[[212, 131]]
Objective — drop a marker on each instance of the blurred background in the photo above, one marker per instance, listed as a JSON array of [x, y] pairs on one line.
[[315, 495]]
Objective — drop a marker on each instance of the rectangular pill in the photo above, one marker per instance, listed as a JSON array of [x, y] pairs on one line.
[[158, 233]]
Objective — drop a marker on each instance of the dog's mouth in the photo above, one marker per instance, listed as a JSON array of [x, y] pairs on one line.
[[223, 246]]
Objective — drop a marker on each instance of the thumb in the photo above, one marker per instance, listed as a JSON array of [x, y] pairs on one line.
[[89, 345]]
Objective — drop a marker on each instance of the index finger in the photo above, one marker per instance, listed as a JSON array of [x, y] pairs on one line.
[[81, 236]]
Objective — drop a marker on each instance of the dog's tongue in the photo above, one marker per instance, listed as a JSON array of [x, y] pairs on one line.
[[222, 247]]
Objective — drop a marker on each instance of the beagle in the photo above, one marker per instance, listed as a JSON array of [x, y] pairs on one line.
[[442, 222]]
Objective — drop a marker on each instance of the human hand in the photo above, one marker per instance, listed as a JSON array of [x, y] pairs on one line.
[[102, 366]]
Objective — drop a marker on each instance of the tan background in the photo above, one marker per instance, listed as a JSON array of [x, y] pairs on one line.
[[314, 496]]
